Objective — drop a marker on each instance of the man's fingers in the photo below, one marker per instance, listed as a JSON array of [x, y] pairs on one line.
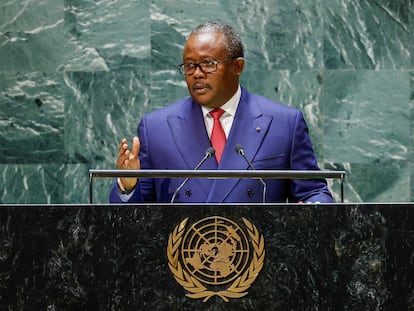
[[122, 145], [123, 155], [135, 146], [127, 159]]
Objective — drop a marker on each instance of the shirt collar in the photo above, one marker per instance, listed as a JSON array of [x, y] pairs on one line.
[[229, 107]]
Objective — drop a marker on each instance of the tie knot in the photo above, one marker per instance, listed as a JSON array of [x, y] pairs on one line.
[[216, 113]]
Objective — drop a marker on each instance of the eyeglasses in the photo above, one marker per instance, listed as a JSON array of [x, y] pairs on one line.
[[207, 66]]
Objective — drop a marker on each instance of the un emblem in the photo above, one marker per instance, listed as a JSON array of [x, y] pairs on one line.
[[215, 257]]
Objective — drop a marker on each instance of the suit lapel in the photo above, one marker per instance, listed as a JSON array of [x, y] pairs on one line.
[[249, 129], [190, 136]]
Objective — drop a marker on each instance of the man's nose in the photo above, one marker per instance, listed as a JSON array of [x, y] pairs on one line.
[[198, 72]]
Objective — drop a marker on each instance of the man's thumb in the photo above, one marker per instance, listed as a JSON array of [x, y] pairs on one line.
[[135, 146]]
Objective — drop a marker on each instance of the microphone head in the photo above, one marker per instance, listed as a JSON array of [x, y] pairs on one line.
[[210, 152], [239, 149]]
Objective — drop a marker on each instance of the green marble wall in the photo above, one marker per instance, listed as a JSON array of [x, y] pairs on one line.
[[76, 76]]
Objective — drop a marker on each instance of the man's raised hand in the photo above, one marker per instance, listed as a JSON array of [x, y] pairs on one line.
[[128, 160]]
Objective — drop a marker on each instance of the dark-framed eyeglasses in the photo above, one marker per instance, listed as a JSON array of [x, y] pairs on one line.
[[206, 66]]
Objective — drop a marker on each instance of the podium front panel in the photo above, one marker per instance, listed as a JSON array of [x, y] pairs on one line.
[[112, 257]]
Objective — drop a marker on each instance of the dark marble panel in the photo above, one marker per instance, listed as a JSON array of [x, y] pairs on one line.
[[106, 35], [367, 132], [30, 183], [31, 35], [76, 184], [380, 181], [276, 34], [411, 109], [412, 32], [367, 34], [282, 35], [167, 42], [326, 257], [101, 108], [366, 116], [31, 115]]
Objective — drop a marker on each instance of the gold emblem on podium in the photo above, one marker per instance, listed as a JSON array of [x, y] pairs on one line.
[[215, 257]]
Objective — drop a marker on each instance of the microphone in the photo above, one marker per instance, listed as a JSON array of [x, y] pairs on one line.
[[239, 150], [208, 154]]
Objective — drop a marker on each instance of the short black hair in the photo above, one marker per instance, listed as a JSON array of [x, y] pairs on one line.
[[233, 42]]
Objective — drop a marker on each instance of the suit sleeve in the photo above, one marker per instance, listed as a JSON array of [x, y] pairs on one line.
[[115, 197], [303, 158]]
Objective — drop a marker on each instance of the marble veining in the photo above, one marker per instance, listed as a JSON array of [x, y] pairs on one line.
[[332, 257]]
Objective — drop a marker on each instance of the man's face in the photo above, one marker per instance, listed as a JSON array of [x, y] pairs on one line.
[[215, 88]]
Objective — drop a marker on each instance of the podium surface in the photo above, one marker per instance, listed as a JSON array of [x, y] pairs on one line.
[[112, 257]]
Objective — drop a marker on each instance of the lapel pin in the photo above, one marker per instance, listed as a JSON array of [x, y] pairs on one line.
[[258, 129]]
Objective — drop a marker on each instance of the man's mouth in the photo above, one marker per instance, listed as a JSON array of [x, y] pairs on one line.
[[200, 88]]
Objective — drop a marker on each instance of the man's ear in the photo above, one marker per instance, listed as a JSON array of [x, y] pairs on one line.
[[239, 65]]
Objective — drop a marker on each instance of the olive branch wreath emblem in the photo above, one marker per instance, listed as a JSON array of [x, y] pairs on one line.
[[195, 289]]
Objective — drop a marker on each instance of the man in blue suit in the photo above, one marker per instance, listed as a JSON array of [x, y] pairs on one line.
[[273, 136]]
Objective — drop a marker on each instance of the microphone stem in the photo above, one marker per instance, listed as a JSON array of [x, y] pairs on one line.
[[178, 189], [264, 190], [208, 154], [241, 151]]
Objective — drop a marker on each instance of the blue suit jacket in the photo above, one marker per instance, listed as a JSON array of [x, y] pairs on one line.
[[175, 138]]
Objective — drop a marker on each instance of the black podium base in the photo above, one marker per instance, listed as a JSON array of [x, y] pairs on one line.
[[315, 257]]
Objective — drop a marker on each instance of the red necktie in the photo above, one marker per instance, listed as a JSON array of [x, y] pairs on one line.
[[218, 137]]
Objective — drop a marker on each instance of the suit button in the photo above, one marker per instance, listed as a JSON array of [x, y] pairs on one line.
[[187, 193], [250, 193]]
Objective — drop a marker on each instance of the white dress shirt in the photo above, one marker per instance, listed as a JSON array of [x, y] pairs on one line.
[[226, 118]]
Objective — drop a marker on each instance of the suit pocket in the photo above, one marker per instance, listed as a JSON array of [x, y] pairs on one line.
[[270, 162]]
